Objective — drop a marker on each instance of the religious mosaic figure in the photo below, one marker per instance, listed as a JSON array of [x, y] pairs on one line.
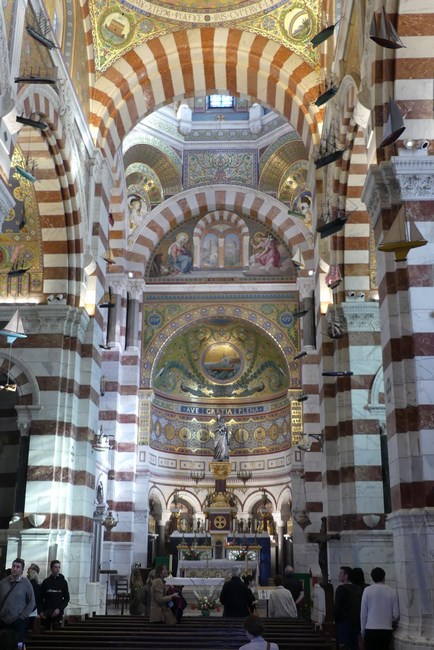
[[138, 209], [180, 259], [221, 441], [266, 254]]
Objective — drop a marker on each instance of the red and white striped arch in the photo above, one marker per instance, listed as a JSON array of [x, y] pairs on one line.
[[197, 62], [217, 216], [204, 200], [56, 193]]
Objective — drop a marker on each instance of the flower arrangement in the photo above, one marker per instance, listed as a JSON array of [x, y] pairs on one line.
[[242, 554], [192, 553], [206, 602]]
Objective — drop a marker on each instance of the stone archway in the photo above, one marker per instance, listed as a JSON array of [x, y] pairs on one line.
[[157, 72]]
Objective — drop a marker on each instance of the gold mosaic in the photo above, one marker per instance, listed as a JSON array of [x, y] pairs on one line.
[[121, 25]]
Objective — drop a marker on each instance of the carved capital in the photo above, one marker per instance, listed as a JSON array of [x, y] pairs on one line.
[[55, 319], [381, 189], [402, 178], [25, 415], [361, 316], [136, 288], [415, 174]]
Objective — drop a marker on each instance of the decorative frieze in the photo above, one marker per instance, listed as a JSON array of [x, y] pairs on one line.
[[50, 319], [402, 178]]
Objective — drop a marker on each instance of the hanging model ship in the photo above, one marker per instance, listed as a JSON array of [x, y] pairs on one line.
[[38, 77], [41, 30], [383, 32], [330, 91], [402, 237], [329, 151], [323, 35], [331, 220], [18, 268]]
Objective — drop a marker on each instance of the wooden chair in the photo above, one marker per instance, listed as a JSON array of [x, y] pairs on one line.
[[122, 592]]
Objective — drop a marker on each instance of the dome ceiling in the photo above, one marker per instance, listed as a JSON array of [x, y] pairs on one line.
[[221, 358]]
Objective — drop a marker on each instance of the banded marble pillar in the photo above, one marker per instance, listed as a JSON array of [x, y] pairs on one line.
[[407, 337]]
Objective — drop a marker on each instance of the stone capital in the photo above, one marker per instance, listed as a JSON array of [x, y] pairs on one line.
[[402, 178], [136, 288], [52, 319], [305, 287], [361, 316], [25, 415]]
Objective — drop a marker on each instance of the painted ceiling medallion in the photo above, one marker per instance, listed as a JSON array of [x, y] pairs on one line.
[[203, 11], [222, 362]]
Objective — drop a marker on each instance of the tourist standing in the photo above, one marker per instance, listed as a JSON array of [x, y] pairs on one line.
[[161, 603], [33, 576], [293, 585], [138, 594], [379, 612], [249, 581], [347, 606], [17, 601], [234, 596], [281, 603], [54, 597]]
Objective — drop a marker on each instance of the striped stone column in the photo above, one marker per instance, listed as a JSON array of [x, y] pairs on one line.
[[407, 337]]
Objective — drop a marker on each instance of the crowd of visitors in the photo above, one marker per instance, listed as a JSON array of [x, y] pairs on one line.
[[364, 615], [23, 601]]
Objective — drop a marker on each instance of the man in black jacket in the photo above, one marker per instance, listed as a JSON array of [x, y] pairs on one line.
[[235, 596], [54, 597]]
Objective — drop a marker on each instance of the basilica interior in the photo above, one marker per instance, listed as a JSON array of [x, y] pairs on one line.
[[219, 214]]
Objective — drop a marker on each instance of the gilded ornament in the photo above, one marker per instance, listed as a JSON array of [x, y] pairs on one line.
[[220, 470]]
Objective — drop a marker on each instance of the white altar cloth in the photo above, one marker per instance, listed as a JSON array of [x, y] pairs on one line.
[[220, 568], [194, 582]]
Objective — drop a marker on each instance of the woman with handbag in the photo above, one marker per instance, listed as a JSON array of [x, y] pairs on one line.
[[161, 603]]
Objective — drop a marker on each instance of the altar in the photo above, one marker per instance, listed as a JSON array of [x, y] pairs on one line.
[[216, 568], [193, 556]]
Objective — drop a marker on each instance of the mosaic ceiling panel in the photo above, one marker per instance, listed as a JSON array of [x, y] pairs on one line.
[[176, 8], [121, 25], [21, 265], [236, 167], [222, 357]]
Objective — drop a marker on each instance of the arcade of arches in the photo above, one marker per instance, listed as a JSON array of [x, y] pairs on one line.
[[159, 241]]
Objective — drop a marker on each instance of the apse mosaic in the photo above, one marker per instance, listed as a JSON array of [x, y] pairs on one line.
[[21, 270], [271, 313], [221, 246], [121, 25], [220, 358]]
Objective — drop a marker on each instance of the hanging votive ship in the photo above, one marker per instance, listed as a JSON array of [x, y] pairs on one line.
[[402, 237], [331, 221], [329, 150], [323, 35], [383, 32], [330, 90], [394, 125]]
